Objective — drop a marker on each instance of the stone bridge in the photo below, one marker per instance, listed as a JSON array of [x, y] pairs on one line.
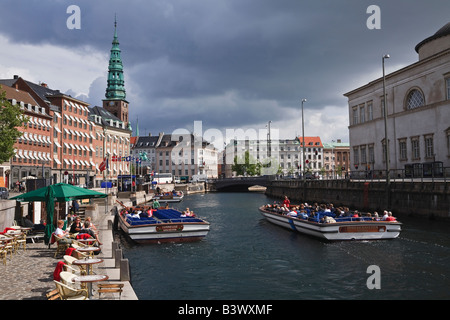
[[237, 184]]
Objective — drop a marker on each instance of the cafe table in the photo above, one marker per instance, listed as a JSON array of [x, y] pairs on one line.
[[88, 241], [89, 279], [89, 249], [87, 262]]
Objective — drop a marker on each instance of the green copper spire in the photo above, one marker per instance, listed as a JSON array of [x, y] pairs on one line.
[[116, 84]]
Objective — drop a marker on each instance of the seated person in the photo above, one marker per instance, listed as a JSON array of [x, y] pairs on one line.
[[60, 234], [76, 226], [156, 204], [188, 213], [390, 217], [302, 214], [89, 231]]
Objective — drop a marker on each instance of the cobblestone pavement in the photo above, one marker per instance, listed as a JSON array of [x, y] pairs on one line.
[[28, 275]]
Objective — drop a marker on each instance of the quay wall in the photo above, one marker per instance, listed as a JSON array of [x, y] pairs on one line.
[[425, 199]]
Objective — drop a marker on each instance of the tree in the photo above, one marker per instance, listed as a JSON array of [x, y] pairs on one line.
[[11, 117], [246, 165]]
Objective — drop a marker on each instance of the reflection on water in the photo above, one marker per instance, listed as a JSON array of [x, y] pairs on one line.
[[245, 257]]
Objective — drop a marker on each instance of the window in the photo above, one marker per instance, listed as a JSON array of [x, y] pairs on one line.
[[369, 111], [355, 155], [447, 132], [362, 114], [415, 148], [429, 150], [415, 100], [363, 154], [355, 115], [447, 82], [402, 149], [371, 154]]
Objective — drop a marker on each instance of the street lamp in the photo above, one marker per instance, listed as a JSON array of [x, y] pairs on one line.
[[386, 144], [303, 148], [269, 153]]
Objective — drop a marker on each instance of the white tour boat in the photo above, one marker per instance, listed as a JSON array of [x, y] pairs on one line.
[[175, 196], [164, 225], [346, 228]]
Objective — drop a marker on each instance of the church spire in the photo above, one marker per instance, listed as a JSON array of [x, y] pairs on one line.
[[116, 84], [115, 95]]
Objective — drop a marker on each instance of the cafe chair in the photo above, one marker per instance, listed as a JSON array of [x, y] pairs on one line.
[[80, 268], [3, 254], [60, 245], [53, 295], [22, 241], [9, 245], [67, 279], [68, 293]]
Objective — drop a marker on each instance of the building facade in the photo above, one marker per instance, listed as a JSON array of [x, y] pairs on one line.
[[285, 156], [32, 150], [167, 153], [65, 140], [336, 159], [418, 114]]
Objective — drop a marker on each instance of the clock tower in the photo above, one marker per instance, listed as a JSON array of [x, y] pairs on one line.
[[115, 91]]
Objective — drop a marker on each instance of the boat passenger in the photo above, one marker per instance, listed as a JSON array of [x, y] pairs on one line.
[[286, 202], [327, 219], [390, 217], [189, 213], [156, 204], [303, 215], [375, 216], [292, 212], [385, 215]]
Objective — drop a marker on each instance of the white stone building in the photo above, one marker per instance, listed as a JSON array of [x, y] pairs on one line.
[[418, 114]]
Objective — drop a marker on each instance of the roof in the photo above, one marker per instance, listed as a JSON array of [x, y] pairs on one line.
[[442, 32], [330, 145], [18, 95], [311, 142]]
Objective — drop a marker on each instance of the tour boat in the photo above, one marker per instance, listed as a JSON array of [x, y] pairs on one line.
[[175, 196], [164, 225], [345, 228]]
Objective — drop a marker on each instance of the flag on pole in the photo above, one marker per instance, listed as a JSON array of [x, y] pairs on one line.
[[103, 165]]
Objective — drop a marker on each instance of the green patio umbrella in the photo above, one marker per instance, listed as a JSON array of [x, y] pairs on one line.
[[60, 192]]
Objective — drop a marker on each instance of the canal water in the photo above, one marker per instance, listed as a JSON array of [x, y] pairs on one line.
[[246, 257]]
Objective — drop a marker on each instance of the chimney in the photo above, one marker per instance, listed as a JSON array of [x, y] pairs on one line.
[[16, 77], [43, 84]]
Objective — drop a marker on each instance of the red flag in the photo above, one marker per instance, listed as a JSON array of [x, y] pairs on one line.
[[103, 165]]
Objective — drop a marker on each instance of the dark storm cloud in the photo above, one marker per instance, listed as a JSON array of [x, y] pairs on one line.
[[232, 62]]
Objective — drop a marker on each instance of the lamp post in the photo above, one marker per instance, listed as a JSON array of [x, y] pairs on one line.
[[386, 142], [303, 143], [269, 153]]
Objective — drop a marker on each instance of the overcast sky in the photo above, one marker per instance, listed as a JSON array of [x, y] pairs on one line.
[[231, 64]]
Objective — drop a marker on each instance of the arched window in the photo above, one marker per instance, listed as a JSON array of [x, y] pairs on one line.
[[415, 99]]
